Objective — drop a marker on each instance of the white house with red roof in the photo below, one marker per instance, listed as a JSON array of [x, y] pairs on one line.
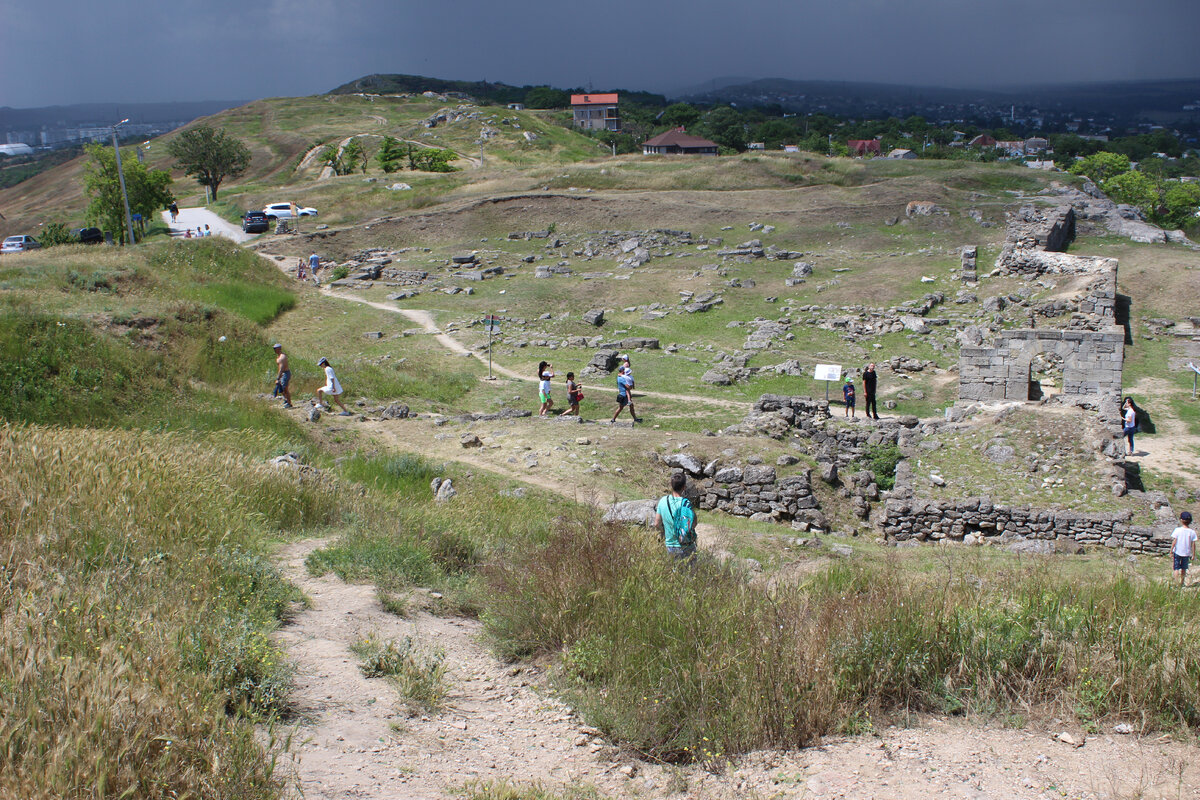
[[596, 112]]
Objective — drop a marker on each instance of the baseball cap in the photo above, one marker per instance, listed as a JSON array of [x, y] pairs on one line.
[[323, 361], [277, 346], [1186, 516]]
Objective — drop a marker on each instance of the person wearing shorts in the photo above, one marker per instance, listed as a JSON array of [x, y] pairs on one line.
[[848, 396], [1183, 547], [283, 376], [545, 375], [331, 388], [622, 397], [574, 395]]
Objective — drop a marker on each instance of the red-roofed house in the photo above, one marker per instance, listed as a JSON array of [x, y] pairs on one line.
[[861, 147], [982, 140], [676, 141], [596, 112]]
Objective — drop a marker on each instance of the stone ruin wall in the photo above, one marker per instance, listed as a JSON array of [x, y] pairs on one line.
[[978, 521], [1092, 350]]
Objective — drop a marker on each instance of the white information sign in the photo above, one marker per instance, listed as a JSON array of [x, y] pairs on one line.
[[827, 372]]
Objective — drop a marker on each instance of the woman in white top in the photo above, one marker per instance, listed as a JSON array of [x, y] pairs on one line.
[[331, 388], [1129, 416]]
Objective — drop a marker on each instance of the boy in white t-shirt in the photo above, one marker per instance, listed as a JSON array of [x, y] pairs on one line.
[[1184, 547]]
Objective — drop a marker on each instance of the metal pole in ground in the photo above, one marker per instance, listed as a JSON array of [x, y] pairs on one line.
[[121, 178]]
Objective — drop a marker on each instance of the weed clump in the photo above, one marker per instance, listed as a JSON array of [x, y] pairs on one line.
[[418, 672]]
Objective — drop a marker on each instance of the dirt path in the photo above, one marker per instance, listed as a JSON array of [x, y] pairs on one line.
[[1173, 450], [425, 320], [356, 741]]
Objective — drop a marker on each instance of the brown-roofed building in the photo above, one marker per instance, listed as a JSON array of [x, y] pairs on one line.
[[862, 147], [596, 112], [982, 140], [676, 141]]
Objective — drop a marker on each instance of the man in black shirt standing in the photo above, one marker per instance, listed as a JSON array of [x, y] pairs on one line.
[[869, 382]]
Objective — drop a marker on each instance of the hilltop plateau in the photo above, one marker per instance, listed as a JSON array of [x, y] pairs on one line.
[[207, 594]]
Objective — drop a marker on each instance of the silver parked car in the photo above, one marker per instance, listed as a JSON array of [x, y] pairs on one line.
[[19, 244]]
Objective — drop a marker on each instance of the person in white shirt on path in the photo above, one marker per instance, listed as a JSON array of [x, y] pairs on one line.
[[331, 388], [1183, 547]]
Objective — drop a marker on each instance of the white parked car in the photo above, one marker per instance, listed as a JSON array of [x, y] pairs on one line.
[[284, 211], [19, 244]]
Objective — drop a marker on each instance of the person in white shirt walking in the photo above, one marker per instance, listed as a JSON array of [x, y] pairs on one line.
[[331, 388], [1184, 547]]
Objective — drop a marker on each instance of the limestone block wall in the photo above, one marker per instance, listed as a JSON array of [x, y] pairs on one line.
[[978, 520], [1092, 363], [757, 492]]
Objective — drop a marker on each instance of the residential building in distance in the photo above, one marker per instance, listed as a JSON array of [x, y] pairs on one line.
[[901, 152], [678, 142], [862, 147], [982, 140], [596, 112]]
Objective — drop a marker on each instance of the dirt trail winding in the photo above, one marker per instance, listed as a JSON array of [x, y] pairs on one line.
[[355, 740], [425, 320]]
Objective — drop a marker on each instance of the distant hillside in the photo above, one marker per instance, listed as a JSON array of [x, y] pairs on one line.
[[485, 91]]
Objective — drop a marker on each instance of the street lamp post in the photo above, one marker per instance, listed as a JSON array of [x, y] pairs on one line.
[[121, 178]]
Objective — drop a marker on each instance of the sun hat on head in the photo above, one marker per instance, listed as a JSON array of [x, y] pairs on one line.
[[323, 361]]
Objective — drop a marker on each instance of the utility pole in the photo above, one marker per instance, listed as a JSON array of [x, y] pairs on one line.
[[121, 178]]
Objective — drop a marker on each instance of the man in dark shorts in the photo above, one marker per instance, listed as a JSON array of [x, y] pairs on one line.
[[1183, 547], [622, 397], [283, 376], [870, 381]]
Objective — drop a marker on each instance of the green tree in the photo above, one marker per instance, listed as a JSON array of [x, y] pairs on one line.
[[354, 156], [149, 189], [210, 155], [331, 157], [774, 133], [724, 126], [1180, 204], [53, 234], [431, 159], [679, 115], [1101, 166], [1133, 188], [390, 154], [546, 97]]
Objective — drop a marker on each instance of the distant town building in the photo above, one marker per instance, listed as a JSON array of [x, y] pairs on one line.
[[1014, 148], [596, 112], [677, 142], [791, 148], [861, 147], [516, 106], [901, 152], [1036, 145], [982, 140], [756, 146]]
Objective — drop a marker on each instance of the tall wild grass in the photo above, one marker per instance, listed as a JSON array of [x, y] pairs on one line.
[[135, 611], [691, 662]]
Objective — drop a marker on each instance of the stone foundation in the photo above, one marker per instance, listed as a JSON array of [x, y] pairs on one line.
[[978, 521]]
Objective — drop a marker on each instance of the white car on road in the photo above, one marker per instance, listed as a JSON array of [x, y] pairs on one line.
[[284, 211]]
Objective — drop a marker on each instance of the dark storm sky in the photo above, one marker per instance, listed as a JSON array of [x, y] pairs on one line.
[[69, 51]]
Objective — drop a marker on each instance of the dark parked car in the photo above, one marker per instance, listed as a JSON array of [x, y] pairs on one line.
[[89, 235], [255, 222]]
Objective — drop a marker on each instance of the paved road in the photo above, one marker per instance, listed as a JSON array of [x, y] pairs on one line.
[[194, 218]]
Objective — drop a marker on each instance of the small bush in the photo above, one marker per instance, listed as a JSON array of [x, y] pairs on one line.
[[506, 790], [418, 672], [882, 459], [339, 272]]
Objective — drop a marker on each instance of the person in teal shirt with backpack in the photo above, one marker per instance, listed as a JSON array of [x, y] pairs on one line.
[[674, 515]]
